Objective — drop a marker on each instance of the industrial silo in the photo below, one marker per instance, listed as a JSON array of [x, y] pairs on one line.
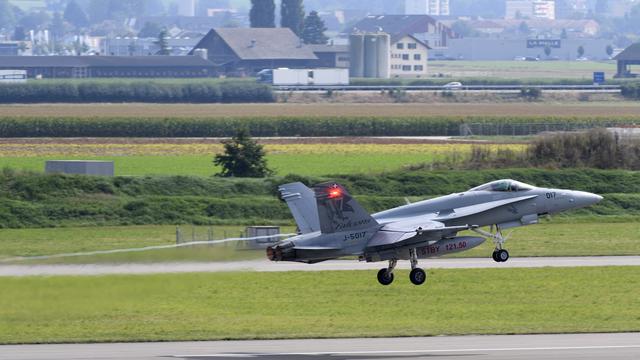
[[383, 55], [371, 55], [356, 55]]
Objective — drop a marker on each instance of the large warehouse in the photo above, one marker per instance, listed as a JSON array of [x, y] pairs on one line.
[[109, 66]]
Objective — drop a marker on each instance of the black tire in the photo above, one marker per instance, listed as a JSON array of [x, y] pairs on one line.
[[503, 255], [494, 256], [418, 276], [384, 277]]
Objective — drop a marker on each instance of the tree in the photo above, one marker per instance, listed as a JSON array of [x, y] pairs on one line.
[[602, 6], [547, 50], [19, 34], [580, 51], [132, 48], [462, 28], [563, 34], [524, 28], [314, 28], [74, 14], [262, 14], [7, 15], [35, 20], [163, 43], [57, 27], [150, 29], [292, 15], [242, 157], [609, 50]]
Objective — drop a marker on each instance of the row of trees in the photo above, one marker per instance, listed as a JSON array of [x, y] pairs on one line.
[[310, 28]]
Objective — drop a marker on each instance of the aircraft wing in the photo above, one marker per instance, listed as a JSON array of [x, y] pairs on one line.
[[412, 230], [475, 209]]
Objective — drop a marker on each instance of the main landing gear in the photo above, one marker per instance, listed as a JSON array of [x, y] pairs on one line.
[[499, 254], [417, 275]]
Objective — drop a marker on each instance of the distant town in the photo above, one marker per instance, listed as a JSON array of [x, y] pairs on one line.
[[377, 39]]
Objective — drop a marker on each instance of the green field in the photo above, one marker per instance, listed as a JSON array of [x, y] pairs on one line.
[[200, 165], [557, 238], [522, 70], [318, 304]]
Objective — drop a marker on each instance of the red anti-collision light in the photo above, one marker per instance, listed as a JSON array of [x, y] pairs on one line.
[[334, 193]]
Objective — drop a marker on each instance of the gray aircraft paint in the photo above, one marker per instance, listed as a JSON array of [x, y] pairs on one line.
[[427, 226]]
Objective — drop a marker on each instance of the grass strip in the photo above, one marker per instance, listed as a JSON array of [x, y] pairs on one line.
[[318, 304]]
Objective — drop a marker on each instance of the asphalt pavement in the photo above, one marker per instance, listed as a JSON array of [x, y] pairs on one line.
[[522, 347], [264, 265]]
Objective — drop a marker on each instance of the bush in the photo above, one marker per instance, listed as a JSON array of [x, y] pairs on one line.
[[38, 200], [631, 90], [135, 91]]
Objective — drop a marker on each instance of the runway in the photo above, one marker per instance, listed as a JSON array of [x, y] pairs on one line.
[[523, 347], [264, 265]]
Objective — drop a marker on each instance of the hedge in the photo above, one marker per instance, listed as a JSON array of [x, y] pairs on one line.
[[14, 126], [136, 91], [631, 90]]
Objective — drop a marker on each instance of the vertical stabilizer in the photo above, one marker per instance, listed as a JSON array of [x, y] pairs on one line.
[[302, 204], [338, 211]]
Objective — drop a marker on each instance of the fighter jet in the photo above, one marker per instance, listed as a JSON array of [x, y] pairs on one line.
[[331, 223]]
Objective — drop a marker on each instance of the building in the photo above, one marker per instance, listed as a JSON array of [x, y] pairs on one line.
[[186, 7], [530, 9], [134, 46], [409, 57], [9, 48], [423, 27], [245, 51], [331, 56], [427, 7], [110, 66], [544, 27], [630, 56]]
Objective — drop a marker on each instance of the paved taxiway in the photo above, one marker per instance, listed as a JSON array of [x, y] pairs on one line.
[[523, 347], [265, 265]]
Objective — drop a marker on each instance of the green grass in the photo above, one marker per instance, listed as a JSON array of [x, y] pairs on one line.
[[523, 70], [37, 242], [199, 165], [564, 238], [317, 304]]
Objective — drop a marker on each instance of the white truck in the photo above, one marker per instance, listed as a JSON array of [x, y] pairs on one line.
[[304, 77], [13, 76]]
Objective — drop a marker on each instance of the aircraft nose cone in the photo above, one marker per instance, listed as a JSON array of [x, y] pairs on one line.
[[586, 199]]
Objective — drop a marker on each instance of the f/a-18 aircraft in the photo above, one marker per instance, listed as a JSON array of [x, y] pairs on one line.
[[331, 223]]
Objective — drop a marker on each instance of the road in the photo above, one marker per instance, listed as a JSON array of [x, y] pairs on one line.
[[523, 347], [265, 265]]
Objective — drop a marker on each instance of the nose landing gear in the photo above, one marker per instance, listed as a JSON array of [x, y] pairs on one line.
[[499, 254]]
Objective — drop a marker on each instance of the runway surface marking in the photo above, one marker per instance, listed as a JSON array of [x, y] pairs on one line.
[[425, 351], [474, 347], [335, 265]]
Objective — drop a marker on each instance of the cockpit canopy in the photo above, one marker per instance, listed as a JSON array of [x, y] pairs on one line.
[[507, 185]]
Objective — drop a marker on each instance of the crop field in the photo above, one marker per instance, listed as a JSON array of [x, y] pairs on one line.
[[522, 69], [588, 109], [196, 158], [283, 305], [568, 236]]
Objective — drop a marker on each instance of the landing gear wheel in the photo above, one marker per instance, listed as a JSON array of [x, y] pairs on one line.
[[417, 276], [502, 255], [494, 256], [385, 277]]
